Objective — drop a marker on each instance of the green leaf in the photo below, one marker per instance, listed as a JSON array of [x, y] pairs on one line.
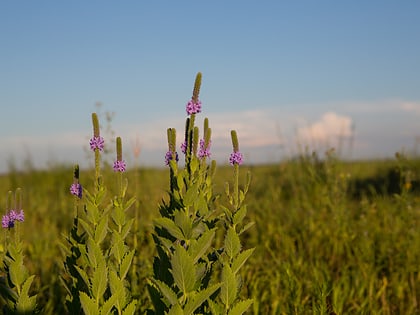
[[232, 243], [239, 215], [108, 305], [170, 226], [130, 308], [239, 261], [126, 264], [215, 307], [183, 270], [198, 299], [176, 310], [246, 227], [191, 195], [101, 230], [17, 271], [83, 275], [229, 289], [88, 304], [184, 223], [117, 287], [198, 248], [99, 281], [25, 303], [166, 291], [240, 307]]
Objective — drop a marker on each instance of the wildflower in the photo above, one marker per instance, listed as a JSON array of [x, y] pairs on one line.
[[235, 158], [193, 107], [184, 147], [9, 219], [96, 143], [169, 157], [6, 222], [17, 216], [119, 166], [204, 150], [76, 190]]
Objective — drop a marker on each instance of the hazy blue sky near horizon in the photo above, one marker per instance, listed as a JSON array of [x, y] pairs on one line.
[[282, 73]]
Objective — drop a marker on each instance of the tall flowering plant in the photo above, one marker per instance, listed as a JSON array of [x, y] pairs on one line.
[[187, 267], [16, 283], [97, 255]]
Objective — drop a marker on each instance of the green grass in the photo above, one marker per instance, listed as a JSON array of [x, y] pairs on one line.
[[331, 237]]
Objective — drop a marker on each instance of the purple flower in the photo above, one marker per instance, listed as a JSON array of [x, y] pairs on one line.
[[17, 216], [76, 190], [235, 158], [204, 151], [184, 147], [119, 166], [169, 157], [193, 108], [8, 220], [97, 143]]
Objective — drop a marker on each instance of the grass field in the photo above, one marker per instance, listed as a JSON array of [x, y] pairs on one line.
[[331, 237]]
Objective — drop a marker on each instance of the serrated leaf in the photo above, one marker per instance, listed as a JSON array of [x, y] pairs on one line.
[[83, 275], [232, 243], [17, 272], [198, 248], [246, 227], [170, 226], [101, 230], [200, 298], [99, 281], [108, 305], [88, 304], [215, 307], [183, 270], [166, 291], [191, 195], [126, 228], [117, 286], [27, 285], [184, 223], [26, 303], [240, 307], [240, 260], [130, 308], [239, 215], [229, 289], [176, 310], [126, 264]]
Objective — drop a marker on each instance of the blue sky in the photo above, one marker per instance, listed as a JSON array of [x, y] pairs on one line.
[[283, 73]]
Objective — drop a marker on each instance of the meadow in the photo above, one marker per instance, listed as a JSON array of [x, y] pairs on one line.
[[310, 235], [330, 237]]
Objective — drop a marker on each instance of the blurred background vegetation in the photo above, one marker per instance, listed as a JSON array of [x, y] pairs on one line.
[[331, 237]]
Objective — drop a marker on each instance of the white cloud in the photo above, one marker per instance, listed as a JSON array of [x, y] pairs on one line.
[[328, 129], [413, 107]]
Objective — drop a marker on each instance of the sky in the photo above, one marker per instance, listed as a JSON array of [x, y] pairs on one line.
[[287, 75]]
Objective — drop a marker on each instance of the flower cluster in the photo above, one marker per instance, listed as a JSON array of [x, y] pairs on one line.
[[236, 158], [76, 190], [193, 107], [184, 147], [119, 166], [96, 143], [204, 150], [169, 157], [9, 219]]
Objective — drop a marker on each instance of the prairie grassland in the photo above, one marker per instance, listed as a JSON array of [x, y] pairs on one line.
[[331, 237]]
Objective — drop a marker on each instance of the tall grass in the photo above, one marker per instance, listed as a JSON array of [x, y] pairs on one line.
[[321, 246]]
